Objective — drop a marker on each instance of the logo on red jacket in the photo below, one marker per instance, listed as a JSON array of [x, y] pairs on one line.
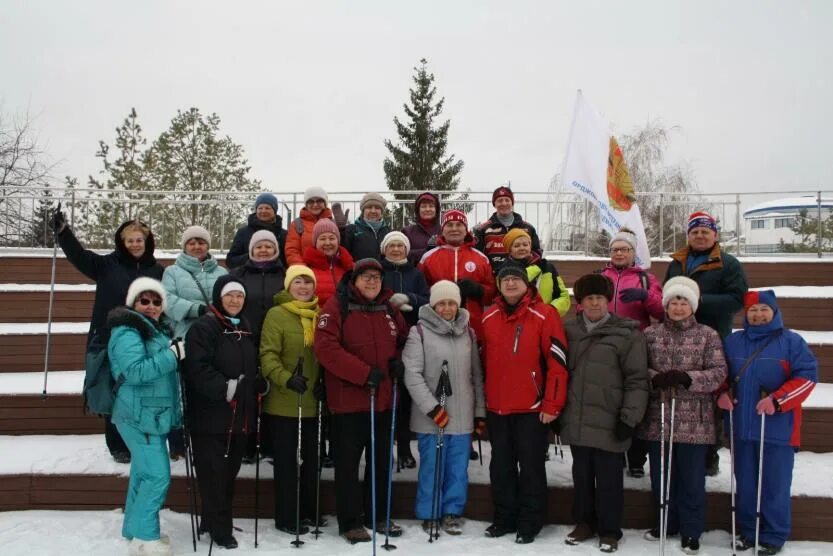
[[322, 320], [470, 266], [392, 326]]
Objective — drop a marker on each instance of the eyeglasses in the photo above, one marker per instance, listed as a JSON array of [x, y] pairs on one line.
[[316, 202], [370, 277], [145, 301], [617, 250]]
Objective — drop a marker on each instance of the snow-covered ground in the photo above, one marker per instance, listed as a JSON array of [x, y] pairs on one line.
[[87, 454], [56, 533]]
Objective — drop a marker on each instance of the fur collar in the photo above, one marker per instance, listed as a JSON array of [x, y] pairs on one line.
[[124, 316]]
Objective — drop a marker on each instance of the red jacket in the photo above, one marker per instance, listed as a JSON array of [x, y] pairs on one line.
[[446, 262], [297, 243], [327, 272], [517, 346], [370, 334]]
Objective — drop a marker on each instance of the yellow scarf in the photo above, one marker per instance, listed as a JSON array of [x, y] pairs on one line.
[[307, 311]]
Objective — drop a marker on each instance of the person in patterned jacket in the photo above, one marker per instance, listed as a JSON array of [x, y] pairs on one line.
[[686, 363], [785, 371], [489, 234]]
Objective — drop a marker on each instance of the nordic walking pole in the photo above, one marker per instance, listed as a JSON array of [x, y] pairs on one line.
[[299, 371], [189, 470], [670, 461], [373, 465], [257, 462], [480, 449], [49, 311], [434, 526], [662, 472], [394, 399], [317, 530], [760, 479], [732, 472]]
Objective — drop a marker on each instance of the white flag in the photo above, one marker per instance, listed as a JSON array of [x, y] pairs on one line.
[[594, 167]]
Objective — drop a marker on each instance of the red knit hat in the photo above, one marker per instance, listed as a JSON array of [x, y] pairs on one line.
[[324, 225], [502, 191], [455, 215], [701, 219]]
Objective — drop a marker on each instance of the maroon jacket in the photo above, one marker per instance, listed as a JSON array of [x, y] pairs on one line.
[[348, 347]]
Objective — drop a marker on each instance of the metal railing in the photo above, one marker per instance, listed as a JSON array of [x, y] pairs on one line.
[[565, 222]]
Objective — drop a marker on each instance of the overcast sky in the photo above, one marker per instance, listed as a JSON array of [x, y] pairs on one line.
[[310, 88]]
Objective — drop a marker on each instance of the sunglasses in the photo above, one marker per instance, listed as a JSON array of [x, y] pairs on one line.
[[145, 301]]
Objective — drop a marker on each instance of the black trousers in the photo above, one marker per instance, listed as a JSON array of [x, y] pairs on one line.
[[284, 431], [403, 424], [114, 441], [519, 479], [215, 478], [350, 436], [599, 499], [637, 453]]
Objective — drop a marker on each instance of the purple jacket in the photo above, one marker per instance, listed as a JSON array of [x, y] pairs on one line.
[[420, 236], [696, 350], [640, 311]]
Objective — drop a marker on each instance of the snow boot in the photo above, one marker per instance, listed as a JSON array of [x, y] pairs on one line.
[[581, 533], [495, 531], [452, 525], [690, 545], [765, 549], [359, 534], [524, 538], [608, 545]]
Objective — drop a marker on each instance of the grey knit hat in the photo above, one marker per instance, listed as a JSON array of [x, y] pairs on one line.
[[372, 198], [195, 232]]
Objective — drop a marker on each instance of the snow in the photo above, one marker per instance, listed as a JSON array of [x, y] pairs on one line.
[[71, 382], [40, 328], [803, 292], [45, 287], [50, 532], [58, 383], [87, 455]]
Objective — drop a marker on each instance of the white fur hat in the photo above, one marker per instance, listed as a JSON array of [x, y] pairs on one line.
[[680, 286], [315, 193], [444, 289], [145, 284]]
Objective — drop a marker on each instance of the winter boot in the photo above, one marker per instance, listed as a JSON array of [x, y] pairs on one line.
[[690, 545], [156, 547], [395, 530], [359, 534], [452, 525], [608, 544], [495, 530], [581, 533], [765, 549], [742, 543], [524, 538]]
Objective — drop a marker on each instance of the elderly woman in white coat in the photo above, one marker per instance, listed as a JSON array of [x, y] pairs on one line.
[[442, 350]]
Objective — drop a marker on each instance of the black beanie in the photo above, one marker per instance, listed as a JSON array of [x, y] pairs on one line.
[[593, 284], [512, 269]]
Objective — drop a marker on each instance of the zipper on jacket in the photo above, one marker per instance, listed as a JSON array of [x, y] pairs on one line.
[[538, 396], [517, 339]]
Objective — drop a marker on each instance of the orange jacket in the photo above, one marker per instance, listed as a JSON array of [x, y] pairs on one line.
[[298, 240]]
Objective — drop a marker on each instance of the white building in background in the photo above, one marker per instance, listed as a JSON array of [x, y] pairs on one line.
[[767, 224]]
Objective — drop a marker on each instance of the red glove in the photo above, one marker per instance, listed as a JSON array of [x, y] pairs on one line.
[[766, 405], [479, 426], [440, 416], [725, 401]]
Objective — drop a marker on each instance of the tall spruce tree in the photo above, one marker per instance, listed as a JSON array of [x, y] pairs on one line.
[[418, 160]]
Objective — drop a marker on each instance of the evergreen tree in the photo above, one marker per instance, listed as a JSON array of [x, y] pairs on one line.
[[418, 160]]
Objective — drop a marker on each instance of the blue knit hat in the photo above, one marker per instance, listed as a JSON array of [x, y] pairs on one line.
[[267, 199], [766, 297]]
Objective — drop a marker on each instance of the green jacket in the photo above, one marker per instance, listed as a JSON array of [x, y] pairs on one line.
[[281, 344], [608, 382], [722, 286], [541, 274]]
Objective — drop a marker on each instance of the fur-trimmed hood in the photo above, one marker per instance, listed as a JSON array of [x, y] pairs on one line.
[[125, 316]]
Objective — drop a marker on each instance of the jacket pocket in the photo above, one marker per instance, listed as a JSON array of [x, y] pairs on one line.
[[155, 415]]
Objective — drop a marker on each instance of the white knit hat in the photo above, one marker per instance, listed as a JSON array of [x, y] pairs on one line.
[[624, 235], [390, 237], [264, 235], [233, 286], [195, 232], [444, 289], [145, 284], [315, 193], [680, 286]]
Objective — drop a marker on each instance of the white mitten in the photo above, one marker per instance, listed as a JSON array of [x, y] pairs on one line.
[[406, 308], [398, 299]]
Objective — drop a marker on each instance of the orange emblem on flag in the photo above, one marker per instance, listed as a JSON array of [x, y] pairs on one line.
[[620, 190]]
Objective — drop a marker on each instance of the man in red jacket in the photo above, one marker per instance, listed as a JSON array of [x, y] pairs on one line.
[[456, 259], [358, 340], [525, 362]]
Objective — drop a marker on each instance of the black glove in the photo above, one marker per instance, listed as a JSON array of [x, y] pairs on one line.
[[298, 383], [262, 385], [479, 426], [633, 294], [319, 391], [660, 380], [470, 289], [201, 310], [396, 368], [678, 378], [58, 221], [623, 431], [375, 377], [555, 425]]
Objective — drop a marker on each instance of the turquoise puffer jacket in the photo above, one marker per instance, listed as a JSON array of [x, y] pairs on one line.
[[184, 297], [148, 397]]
